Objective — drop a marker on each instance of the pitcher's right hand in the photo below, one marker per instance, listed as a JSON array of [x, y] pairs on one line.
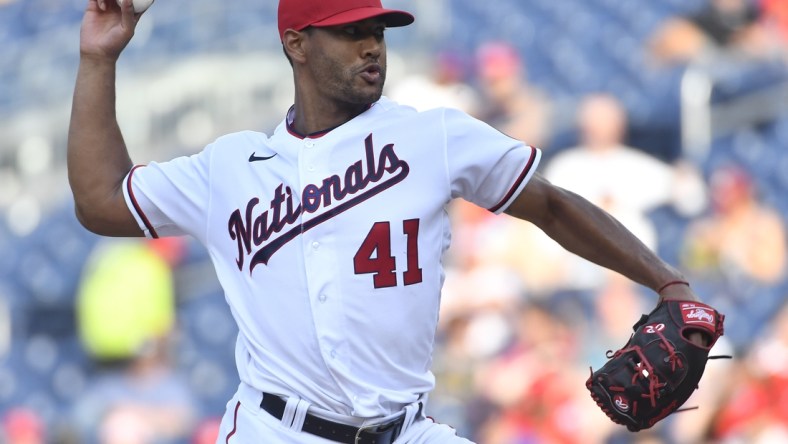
[[107, 28]]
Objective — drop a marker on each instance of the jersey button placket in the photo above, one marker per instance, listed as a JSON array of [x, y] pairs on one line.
[[317, 250], [308, 162]]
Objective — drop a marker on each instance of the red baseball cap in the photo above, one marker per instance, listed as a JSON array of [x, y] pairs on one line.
[[299, 14]]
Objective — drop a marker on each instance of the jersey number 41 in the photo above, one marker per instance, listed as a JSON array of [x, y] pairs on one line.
[[374, 256]]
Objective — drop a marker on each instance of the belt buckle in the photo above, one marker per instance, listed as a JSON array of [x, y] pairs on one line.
[[374, 428], [361, 430]]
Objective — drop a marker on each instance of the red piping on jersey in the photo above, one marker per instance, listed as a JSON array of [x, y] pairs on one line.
[[516, 182], [137, 207], [235, 423], [316, 135]]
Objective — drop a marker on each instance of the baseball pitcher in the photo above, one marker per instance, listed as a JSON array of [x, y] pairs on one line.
[[327, 234]]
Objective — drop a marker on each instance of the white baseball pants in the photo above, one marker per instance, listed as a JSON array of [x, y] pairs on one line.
[[244, 422]]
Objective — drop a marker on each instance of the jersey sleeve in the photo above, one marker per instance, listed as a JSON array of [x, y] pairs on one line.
[[170, 198], [485, 166]]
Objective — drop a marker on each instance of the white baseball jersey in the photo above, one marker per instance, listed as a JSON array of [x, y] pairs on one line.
[[329, 246]]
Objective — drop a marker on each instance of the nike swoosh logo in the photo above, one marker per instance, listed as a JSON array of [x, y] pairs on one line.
[[254, 158]]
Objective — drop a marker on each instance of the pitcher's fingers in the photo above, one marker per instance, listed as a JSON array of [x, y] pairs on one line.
[[128, 18], [96, 4], [699, 339]]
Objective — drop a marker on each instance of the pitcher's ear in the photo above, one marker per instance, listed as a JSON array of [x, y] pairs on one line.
[[294, 46]]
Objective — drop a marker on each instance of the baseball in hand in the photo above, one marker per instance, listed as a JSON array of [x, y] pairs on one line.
[[139, 5]]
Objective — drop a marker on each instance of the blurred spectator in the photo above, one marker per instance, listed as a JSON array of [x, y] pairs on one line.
[[723, 26], [756, 406], [770, 354], [726, 22], [774, 14], [511, 104], [476, 313], [454, 367], [742, 238], [445, 87], [719, 378], [143, 402], [616, 304], [22, 426], [524, 260], [206, 432], [126, 312], [538, 262], [478, 281], [624, 181], [533, 386], [126, 298]]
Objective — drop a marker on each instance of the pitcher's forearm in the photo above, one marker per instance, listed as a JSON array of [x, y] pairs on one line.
[[589, 232], [593, 234], [97, 156]]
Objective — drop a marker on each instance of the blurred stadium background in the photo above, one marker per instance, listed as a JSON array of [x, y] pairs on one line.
[[522, 321]]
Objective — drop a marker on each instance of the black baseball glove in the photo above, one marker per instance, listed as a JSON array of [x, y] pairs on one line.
[[659, 367]]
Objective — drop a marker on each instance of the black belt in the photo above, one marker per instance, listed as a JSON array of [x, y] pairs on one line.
[[385, 433]]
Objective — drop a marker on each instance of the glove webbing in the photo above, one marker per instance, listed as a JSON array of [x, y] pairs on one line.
[[647, 372]]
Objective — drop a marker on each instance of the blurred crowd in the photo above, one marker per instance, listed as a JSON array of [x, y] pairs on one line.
[[522, 320]]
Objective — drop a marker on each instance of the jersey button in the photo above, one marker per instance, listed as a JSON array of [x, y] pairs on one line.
[[309, 143], [333, 353], [315, 245], [322, 298]]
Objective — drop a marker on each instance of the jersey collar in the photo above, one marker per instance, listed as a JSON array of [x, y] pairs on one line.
[[316, 135]]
